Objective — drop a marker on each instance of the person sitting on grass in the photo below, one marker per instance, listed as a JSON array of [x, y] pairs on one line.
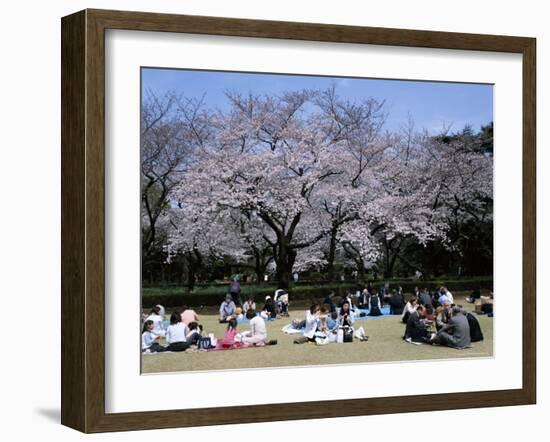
[[397, 302], [270, 308], [332, 321], [416, 330], [385, 294], [349, 300], [345, 318], [157, 317], [227, 309], [424, 298], [311, 325], [249, 304], [410, 307], [374, 303], [323, 319], [363, 300], [257, 335], [188, 315], [329, 300], [194, 333], [455, 333], [175, 334], [429, 312], [443, 315], [149, 339], [476, 335], [476, 294], [228, 339], [445, 295]]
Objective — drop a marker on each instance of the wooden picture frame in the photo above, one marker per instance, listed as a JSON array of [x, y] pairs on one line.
[[83, 219]]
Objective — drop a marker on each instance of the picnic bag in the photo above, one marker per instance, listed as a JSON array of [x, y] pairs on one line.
[[204, 343]]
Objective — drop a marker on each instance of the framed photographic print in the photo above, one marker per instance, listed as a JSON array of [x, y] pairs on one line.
[[286, 220]]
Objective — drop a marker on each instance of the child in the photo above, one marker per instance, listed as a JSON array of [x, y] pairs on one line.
[[228, 340], [239, 314], [158, 320], [332, 321], [323, 320], [149, 339], [258, 331], [175, 334], [194, 333]]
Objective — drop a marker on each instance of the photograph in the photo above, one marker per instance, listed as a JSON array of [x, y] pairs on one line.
[[304, 220]]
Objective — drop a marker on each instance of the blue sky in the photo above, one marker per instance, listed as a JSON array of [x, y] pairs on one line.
[[431, 104]]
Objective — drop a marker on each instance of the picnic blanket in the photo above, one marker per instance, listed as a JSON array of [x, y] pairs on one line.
[[357, 316], [289, 330], [243, 320]]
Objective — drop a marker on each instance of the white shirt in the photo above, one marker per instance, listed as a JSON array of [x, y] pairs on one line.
[[158, 324], [257, 327], [312, 322], [147, 339], [408, 308], [176, 333], [450, 296]]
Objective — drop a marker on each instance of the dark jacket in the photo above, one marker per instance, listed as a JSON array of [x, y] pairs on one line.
[[425, 299], [374, 306], [270, 307], [397, 302], [415, 329], [460, 331], [476, 334]]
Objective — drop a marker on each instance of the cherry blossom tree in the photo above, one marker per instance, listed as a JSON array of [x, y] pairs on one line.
[[300, 180]]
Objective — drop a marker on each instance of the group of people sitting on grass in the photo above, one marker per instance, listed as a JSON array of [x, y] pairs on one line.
[[184, 332], [448, 324], [231, 307], [429, 318], [326, 323], [399, 306]]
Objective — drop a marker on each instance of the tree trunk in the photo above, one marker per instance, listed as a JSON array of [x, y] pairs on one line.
[[259, 267], [331, 254], [194, 262], [284, 259], [191, 275]]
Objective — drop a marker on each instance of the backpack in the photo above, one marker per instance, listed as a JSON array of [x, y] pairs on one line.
[[204, 343]]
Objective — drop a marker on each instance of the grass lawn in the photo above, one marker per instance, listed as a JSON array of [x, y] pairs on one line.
[[385, 344]]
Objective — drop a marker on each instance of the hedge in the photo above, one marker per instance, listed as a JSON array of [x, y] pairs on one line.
[[208, 296]]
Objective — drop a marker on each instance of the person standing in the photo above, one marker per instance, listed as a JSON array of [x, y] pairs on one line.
[[235, 290]]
